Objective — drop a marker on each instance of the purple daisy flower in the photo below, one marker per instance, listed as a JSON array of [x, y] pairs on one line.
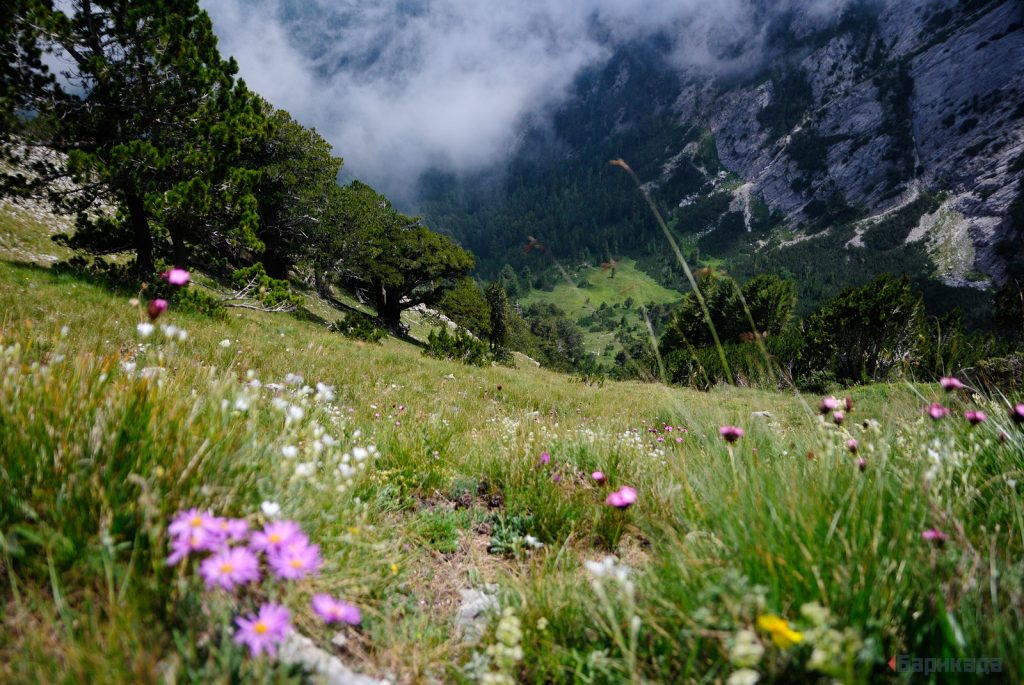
[[295, 561], [230, 567], [333, 610], [264, 631]]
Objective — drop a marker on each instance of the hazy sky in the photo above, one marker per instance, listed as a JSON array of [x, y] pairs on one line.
[[398, 86]]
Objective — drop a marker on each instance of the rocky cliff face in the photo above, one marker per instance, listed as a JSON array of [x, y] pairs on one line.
[[870, 111]]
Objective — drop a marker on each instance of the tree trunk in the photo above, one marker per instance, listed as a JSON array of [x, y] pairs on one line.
[[274, 263], [180, 248], [143, 239], [388, 308]]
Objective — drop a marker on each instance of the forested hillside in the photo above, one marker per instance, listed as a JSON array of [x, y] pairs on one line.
[[887, 138]]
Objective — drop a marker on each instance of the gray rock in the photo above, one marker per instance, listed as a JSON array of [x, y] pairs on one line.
[[326, 668]]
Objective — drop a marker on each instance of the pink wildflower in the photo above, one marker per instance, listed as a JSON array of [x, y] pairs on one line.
[[599, 476], [333, 610], [1017, 413], [975, 417], [934, 535], [264, 631], [950, 383], [861, 464], [937, 411], [828, 404], [730, 433], [230, 567], [852, 445], [838, 417], [176, 277], [155, 308], [622, 498], [545, 458]]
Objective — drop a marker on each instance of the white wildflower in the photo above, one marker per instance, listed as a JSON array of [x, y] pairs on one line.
[[145, 329], [225, 343], [744, 676], [270, 509], [290, 451]]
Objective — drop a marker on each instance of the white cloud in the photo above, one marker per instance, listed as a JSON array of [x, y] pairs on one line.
[[398, 86]]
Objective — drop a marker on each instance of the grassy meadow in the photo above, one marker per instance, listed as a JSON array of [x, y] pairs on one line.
[[789, 556], [586, 289]]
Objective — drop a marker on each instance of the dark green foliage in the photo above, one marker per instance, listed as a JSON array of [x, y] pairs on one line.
[[770, 299], [892, 231], [1008, 310], [460, 347], [866, 333], [296, 192], [791, 96], [394, 260], [359, 326], [24, 79], [198, 301], [253, 283], [810, 151], [498, 306], [157, 128], [559, 340], [465, 305]]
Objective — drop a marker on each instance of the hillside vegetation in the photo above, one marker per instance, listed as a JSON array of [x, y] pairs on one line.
[[780, 553]]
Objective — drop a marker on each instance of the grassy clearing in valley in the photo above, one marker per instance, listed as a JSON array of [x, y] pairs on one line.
[[105, 436], [613, 287]]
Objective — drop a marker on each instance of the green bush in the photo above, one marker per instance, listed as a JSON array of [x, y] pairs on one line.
[[460, 347], [198, 301], [271, 293], [359, 326]]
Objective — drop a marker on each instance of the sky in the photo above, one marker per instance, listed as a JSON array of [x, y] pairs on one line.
[[401, 86]]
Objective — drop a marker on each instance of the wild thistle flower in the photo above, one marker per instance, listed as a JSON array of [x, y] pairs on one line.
[[155, 308], [731, 433], [852, 445], [828, 404], [937, 411], [545, 458], [1017, 413], [934, 535], [975, 417], [599, 477], [838, 417], [264, 631]]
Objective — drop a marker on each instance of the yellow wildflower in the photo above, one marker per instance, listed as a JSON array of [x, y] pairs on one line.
[[778, 628]]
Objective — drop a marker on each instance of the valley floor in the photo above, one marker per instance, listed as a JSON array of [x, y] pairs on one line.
[[473, 536]]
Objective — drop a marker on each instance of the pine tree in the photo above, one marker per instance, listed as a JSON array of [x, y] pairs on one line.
[[156, 127]]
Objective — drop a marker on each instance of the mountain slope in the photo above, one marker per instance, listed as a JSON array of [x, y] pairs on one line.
[[793, 164]]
